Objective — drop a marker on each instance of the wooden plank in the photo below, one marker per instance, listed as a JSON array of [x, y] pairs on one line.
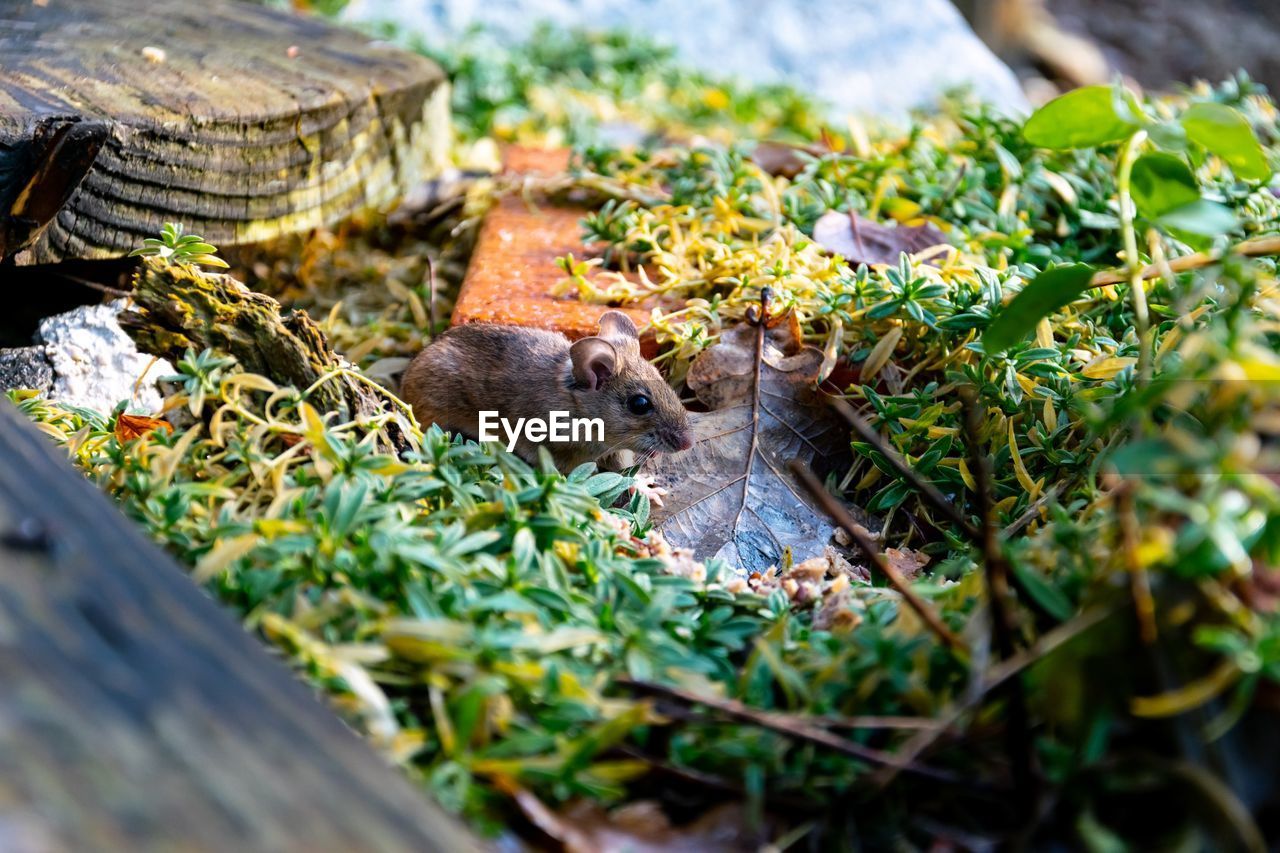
[[136, 714], [239, 121]]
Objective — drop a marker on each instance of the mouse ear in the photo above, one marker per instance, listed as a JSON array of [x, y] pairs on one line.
[[594, 361], [618, 327]]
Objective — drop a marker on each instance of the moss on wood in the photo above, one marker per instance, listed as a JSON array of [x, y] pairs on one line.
[[179, 307]]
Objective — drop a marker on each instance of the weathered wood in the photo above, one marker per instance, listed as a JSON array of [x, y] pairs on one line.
[[241, 122], [177, 308], [136, 715]]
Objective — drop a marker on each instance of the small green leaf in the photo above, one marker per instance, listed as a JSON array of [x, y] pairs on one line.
[[1147, 458], [178, 248], [1083, 118], [208, 261], [582, 472], [1227, 133], [1048, 596], [1161, 183], [1050, 290], [1206, 218], [1169, 135], [602, 483]]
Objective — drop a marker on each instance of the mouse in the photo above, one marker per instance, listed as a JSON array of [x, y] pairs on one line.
[[526, 373]]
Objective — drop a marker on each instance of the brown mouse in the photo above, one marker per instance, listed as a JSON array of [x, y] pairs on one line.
[[522, 374]]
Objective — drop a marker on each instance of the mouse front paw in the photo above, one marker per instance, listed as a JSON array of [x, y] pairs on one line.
[[645, 485]]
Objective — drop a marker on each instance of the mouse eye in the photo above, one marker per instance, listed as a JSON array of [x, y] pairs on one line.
[[639, 404]]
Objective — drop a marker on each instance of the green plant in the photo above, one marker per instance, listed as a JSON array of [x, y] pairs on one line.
[[1158, 188], [1011, 210], [178, 248], [475, 615], [499, 627], [579, 87]]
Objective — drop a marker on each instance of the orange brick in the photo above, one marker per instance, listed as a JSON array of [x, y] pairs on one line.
[[513, 269], [525, 161]]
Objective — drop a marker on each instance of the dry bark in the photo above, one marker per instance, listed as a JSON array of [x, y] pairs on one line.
[[178, 307]]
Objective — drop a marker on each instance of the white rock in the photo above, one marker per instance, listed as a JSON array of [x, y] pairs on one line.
[[96, 365], [873, 57]]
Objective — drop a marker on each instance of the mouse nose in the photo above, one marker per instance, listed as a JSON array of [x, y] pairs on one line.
[[682, 440]]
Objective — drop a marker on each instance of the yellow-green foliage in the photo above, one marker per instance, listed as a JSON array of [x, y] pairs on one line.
[[477, 617]]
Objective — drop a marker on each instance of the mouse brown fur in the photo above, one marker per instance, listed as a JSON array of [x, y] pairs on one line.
[[528, 373]]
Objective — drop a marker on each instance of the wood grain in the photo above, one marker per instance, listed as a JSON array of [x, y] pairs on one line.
[[241, 122], [137, 715]]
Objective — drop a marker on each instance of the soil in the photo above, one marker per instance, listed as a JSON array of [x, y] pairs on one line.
[[1164, 42]]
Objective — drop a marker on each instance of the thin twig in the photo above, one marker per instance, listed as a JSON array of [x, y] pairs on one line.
[[1137, 290], [874, 556], [1144, 604], [829, 721], [101, 288], [995, 678], [1003, 628], [1257, 247], [1234, 812], [857, 234], [431, 293], [1051, 494], [873, 721], [926, 489], [793, 726]]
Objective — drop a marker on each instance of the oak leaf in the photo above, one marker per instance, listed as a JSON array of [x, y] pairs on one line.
[[862, 241], [731, 496]]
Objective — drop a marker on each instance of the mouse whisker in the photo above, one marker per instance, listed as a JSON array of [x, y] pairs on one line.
[[644, 459], [615, 446]]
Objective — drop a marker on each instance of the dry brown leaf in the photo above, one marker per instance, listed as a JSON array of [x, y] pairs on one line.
[[1260, 589], [732, 496], [129, 427], [639, 827], [783, 158], [289, 439], [861, 241], [909, 563]]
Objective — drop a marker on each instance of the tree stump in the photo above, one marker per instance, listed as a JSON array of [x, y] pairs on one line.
[[242, 123]]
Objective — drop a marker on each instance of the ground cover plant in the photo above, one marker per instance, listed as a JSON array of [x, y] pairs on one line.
[[1067, 407]]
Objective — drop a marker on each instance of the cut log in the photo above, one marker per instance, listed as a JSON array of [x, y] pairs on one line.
[[242, 123], [137, 715]]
